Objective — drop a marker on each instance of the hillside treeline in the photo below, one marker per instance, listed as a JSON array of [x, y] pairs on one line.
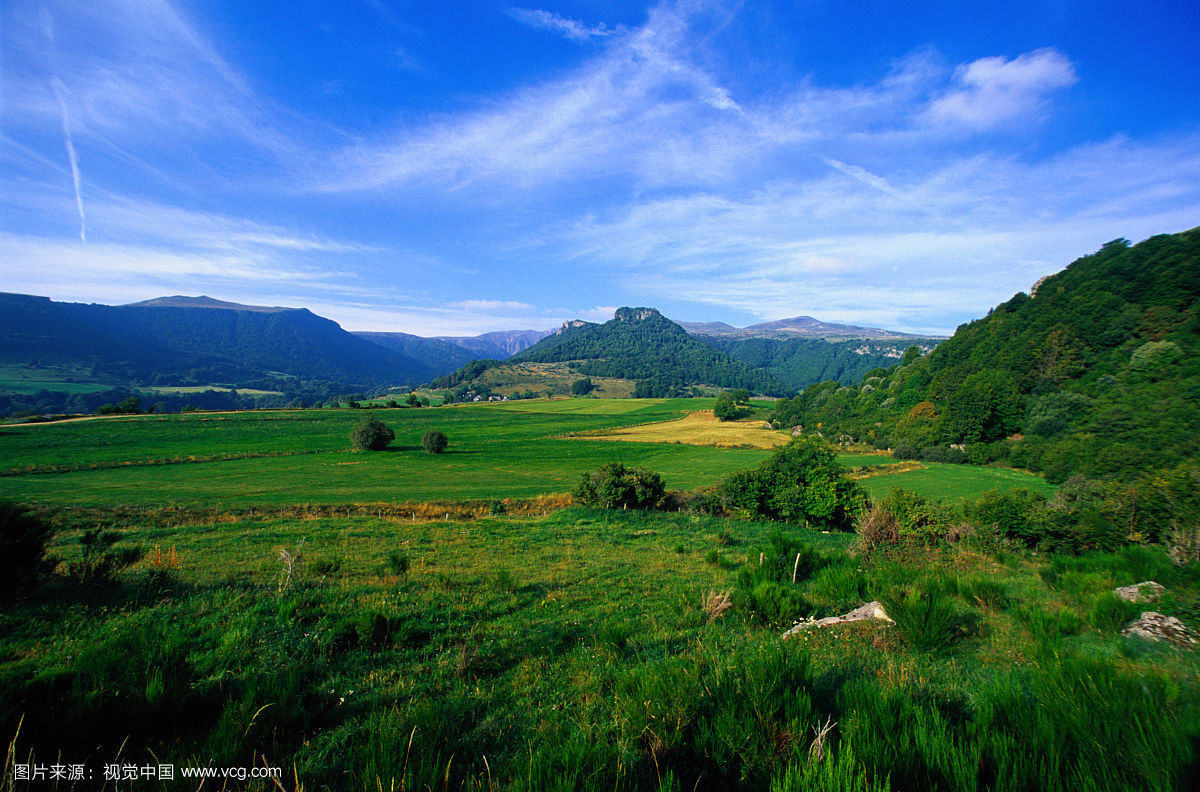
[[1094, 375]]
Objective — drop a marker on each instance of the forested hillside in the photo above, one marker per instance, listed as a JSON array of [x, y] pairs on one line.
[[641, 344], [163, 343], [799, 362], [1094, 373]]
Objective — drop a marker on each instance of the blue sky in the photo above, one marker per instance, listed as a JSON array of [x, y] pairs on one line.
[[458, 167]]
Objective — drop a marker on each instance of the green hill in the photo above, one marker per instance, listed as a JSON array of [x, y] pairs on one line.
[[194, 342], [641, 344], [1095, 372]]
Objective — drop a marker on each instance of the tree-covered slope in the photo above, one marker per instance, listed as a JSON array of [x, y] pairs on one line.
[[641, 344], [800, 362], [1097, 372]]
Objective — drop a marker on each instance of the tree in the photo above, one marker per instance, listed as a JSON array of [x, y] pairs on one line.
[[371, 435], [582, 387], [726, 408], [615, 486], [801, 481], [413, 400], [434, 442]]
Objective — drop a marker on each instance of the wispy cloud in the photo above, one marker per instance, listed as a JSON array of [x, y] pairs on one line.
[[569, 28], [483, 306], [76, 179]]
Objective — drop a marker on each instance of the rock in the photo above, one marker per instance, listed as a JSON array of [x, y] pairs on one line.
[[1140, 592], [1157, 627], [872, 610]]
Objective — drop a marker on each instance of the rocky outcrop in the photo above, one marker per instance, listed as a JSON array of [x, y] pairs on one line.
[[635, 314], [872, 610], [1157, 627], [1145, 591]]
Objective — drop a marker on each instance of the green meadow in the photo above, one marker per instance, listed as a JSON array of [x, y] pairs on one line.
[[503, 648], [288, 457]]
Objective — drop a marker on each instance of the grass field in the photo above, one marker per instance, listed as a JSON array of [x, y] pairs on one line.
[[580, 651], [27, 380], [499, 645], [501, 450], [284, 457]]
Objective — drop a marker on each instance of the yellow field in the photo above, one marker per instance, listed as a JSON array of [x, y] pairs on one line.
[[700, 428]]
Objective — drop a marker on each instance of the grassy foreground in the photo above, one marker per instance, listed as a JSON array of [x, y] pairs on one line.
[[589, 650], [289, 612]]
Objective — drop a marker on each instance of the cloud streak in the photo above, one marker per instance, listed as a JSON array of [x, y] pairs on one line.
[[76, 179], [569, 28]]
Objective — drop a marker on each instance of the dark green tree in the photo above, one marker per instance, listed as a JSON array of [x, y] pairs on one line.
[[801, 481], [726, 408], [615, 486], [434, 442], [371, 435]]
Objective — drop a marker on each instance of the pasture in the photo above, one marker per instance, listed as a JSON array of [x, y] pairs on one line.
[[502, 450]]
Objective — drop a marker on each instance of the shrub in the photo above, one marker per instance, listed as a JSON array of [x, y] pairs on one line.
[[778, 604], [801, 481], [926, 616], [1017, 515], [876, 528], [100, 560], [371, 435], [23, 540], [917, 518], [434, 442], [398, 562], [615, 486]]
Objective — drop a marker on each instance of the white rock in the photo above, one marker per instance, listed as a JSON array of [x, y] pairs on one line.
[[872, 610], [1156, 627], [1140, 592]]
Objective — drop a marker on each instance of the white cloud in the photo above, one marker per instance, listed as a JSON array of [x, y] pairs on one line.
[[993, 91], [569, 28], [483, 306]]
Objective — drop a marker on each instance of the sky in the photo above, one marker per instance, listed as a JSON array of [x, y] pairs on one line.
[[452, 168]]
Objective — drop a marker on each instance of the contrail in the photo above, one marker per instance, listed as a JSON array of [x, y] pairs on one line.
[[59, 91]]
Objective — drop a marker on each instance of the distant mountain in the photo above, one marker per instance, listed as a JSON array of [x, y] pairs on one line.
[[641, 344], [182, 341], [796, 327], [179, 301], [444, 354], [438, 355], [500, 344]]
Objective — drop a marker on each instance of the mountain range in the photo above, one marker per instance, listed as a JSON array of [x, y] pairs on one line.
[[181, 342]]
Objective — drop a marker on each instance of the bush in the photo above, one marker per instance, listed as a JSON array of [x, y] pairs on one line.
[[801, 481], [434, 442], [917, 518], [926, 616], [100, 560], [371, 435], [615, 486], [1016, 515], [23, 540]]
